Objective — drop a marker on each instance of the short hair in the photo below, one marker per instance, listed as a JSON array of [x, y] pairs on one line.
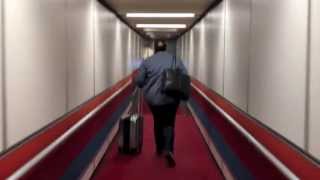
[[160, 46]]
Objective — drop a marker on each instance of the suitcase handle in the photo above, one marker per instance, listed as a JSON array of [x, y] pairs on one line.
[[140, 103], [137, 102]]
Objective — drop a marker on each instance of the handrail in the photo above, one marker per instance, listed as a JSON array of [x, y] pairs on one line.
[[218, 158], [282, 167], [30, 164]]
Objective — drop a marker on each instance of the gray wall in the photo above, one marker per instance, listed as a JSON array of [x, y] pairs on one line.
[[314, 100], [255, 53], [237, 39], [80, 51], [172, 46], [58, 54], [1, 82], [36, 71], [194, 49], [278, 66]]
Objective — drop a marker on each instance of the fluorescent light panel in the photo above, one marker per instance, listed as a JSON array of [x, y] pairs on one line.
[[162, 26], [160, 15], [160, 30]]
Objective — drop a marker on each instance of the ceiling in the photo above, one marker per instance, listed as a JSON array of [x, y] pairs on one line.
[[160, 6]]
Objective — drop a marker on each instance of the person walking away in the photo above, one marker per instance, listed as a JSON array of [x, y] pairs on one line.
[[163, 107]]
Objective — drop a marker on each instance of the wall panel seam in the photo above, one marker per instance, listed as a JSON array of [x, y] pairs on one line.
[[67, 57], [224, 46], [249, 54], [3, 80], [308, 78], [93, 22]]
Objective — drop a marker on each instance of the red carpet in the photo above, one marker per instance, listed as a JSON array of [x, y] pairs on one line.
[[193, 158]]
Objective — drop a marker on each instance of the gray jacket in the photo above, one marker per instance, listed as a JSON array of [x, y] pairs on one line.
[[149, 77]]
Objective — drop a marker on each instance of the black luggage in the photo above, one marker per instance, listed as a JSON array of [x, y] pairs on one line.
[[131, 128], [131, 133]]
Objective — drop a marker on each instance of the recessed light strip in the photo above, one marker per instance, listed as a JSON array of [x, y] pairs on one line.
[[160, 15], [162, 26], [160, 30]]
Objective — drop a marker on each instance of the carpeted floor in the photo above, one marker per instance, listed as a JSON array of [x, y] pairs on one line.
[[192, 156]]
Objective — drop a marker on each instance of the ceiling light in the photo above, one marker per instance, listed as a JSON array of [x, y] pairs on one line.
[[162, 26], [160, 15], [160, 30]]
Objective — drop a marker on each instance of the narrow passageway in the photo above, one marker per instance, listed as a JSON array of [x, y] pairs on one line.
[[191, 152], [69, 69]]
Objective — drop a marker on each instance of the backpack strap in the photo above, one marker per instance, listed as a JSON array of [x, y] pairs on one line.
[[174, 62]]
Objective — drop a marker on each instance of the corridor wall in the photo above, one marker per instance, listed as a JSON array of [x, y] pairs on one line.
[[193, 48], [1, 83], [278, 66], [256, 52], [237, 47], [172, 46], [105, 33], [36, 65], [80, 51], [314, 83], [58, 54]]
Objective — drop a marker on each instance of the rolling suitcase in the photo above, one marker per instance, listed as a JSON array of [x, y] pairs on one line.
[[131, 133], [131, 128]]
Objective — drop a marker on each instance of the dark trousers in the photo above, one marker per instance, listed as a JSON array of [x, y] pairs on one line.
[[164, 124]]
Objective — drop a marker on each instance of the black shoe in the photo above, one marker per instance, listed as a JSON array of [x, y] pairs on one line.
[[170, 160]]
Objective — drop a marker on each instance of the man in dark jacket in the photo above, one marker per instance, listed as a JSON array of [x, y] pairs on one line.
[[163, 107]]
